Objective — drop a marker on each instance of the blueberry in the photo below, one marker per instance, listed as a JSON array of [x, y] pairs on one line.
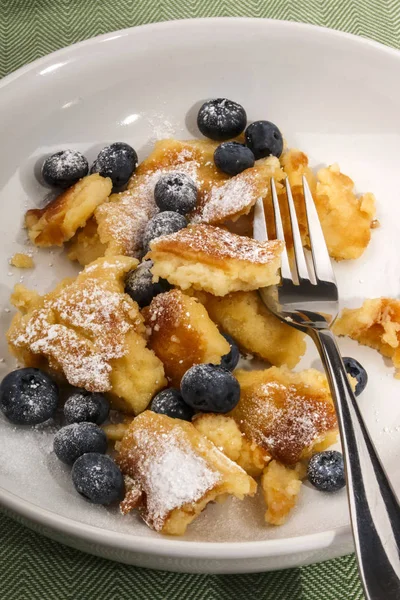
[[85, 406], [76, 439], [326, 471], [210, 388], [64, 168], [97, 478], [170, 402], [139, 284], [117, 161], [356, 370], [28, 396], [164, 223], [176, 192], [221, 119], [264, 139], [233, 158], [230, 360]]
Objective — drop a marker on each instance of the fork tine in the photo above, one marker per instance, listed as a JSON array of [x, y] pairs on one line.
[[260, 232], [300, 260], [285, 267], [320, 255]]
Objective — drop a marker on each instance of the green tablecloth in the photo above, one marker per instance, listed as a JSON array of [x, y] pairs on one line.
[[33, 567]]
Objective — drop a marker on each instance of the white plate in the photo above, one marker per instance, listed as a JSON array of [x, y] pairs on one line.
[[333, 95]]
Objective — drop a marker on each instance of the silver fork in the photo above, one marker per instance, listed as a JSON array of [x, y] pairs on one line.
[[307, 298]]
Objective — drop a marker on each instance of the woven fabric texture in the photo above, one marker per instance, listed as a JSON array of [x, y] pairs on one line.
[[33, 567]]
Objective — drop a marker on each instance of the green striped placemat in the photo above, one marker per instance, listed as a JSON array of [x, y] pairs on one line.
[[33, 567], [32, 28]]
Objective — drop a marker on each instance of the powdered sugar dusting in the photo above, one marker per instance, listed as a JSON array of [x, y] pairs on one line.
[[169, 472], [235, 197], [214, 112], [161, 126], [100, 312], [166, 311], [79, 331], [218, 244], [123, 221], [286, 419], [65, 162]]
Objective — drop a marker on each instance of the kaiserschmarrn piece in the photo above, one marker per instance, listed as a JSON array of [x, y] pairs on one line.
[[22, 261], [224, 432], [346, 219], [221, 431], [214, 260], [58, 222], [172, 472], [255, 329], [295, 165], [281, 486], [238, 195], [290, 415], [182, 334], [90, 331], [196, 156], [118, 227], [376, 324]]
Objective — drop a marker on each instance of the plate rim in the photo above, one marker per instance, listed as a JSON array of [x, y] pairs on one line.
[[168, 546], [104, 37], [162, 545]]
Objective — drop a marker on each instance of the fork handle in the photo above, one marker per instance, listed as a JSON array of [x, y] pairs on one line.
[[374, 508]]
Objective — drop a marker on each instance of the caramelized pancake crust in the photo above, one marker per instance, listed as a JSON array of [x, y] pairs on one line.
[[182, 334], [288, 414], [172, 472], [214, 260], [58, 222]]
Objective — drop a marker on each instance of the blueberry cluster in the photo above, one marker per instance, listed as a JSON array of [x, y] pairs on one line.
[[82, 444], [222, 119], [64, 168], [29, 396], [175, 194], [204, 387]]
